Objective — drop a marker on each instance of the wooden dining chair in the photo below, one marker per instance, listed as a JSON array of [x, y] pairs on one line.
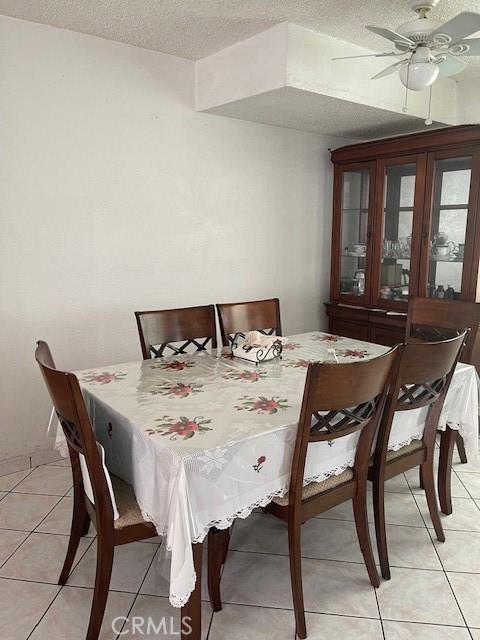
[[421, 380], [430, 319], [130, 526], [338, 400], [161, 331], [237, 318]]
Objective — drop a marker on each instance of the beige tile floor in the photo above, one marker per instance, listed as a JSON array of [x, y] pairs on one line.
[[434, 593]]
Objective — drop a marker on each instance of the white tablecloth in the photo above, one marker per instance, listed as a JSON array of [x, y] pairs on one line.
[[204, 438]]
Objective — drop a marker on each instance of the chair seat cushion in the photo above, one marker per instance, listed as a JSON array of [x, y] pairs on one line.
[[408, 448], [128, 509], [314, 488]]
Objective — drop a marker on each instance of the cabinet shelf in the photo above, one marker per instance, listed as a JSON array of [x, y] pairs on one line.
[[445, 259]]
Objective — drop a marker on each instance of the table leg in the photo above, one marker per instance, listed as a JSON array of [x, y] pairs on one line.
[[447, 442], [191, 621]]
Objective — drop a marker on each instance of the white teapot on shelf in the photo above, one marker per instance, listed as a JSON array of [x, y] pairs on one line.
[[442, 246]]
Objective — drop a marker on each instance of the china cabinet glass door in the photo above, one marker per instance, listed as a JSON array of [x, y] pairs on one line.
[[354, 232], [448, 235], [398, 234]]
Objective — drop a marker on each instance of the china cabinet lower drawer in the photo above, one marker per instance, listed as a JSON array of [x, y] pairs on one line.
[[366, 324]]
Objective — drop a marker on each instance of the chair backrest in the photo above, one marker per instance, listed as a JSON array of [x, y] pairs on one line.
[[432, 319], [72, 413], [422, 379], [193, 327], [338, 400], [236, 318]]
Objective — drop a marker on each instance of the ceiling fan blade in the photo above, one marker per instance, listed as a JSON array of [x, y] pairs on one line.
[[371, 55], [459, 27], [390, 35], [473, 45], [391, 69], [449, 65]]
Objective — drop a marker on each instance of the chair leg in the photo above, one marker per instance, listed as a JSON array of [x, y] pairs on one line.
[[295, 550], [380, 530], [427, 475], [447, 442], [217, 545], [79, 527], [461, 449], [363, 533], [105, 550]]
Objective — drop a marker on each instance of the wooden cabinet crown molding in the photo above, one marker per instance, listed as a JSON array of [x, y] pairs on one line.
[[435, 139]]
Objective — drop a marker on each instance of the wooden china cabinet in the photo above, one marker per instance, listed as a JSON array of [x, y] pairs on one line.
[[406, 221]]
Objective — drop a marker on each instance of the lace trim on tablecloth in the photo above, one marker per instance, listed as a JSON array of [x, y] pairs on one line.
[[404, 443]]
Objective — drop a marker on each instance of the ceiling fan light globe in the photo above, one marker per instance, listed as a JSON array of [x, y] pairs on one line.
[[417, 76]]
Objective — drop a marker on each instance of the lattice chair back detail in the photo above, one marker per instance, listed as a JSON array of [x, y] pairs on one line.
[[342, 421], [176, 331], [431, 320], [237, 318]]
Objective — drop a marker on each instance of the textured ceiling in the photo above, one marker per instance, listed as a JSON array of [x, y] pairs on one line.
[[196, 28], [297, 109]]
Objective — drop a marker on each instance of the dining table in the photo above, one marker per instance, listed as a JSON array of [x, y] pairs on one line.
[[205, 438]]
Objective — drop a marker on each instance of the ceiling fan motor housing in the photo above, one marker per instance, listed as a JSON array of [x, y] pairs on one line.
[[423, 5], [418, 31]]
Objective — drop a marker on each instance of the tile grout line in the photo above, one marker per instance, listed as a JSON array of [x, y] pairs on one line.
[[60, 588], [356, 563], [464, 485], [30, 471], [424, 525], [60, 498], [436, 551], [439, 558], [450, 585]]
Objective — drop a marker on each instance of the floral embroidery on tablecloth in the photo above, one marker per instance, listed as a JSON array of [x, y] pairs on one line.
[[183, 427], [298, 364], [290, 346], [328, 337], [177, 389], [262, 404], [353, 353], [173, 365], [246, 375], [105, 377], [259, 465]]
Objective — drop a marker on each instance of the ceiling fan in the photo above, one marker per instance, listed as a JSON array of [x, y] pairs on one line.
[[428, 49]]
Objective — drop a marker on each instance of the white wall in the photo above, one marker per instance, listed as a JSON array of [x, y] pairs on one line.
[[116, 196], [468, 101]]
